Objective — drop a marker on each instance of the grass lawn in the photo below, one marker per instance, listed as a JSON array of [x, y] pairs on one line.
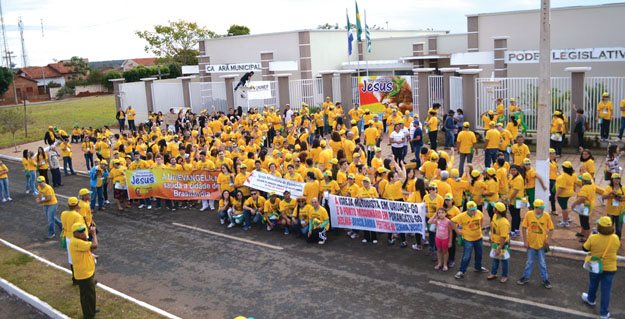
[[91, 111], [55, 287]]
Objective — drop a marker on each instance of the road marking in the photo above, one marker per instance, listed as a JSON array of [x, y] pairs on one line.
[[62, 196], [513, 299], [230, 237], [100, 285]]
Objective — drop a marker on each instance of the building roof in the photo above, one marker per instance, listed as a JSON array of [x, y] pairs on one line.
[[323, 30], [552, 9], [36, 72], [144, 61], [23, 77], [60, 67]]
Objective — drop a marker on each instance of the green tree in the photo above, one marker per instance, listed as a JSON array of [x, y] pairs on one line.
[[175, 70], [96, 76], [236, 29], [108, 76], [12, 121], [79, 68], [6, 78], [328, 26], [186, 57], [169, 41]]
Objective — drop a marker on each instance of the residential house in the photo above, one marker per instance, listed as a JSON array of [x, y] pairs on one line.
[[133, 63], [43, 75], [22, 84]]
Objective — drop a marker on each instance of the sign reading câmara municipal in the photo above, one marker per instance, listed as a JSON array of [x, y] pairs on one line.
[[234, 67]]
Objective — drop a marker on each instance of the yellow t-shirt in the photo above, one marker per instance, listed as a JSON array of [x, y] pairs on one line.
[[520, 152], [611, 208], [311, 190], [29, 164], [319, 213], [332, 187], [433, 204], [530, 178], [492, 186], [471, 226], [371, 135], [433, 124], [567, 183], [516, 183], [271, 208], [3, 168], [225, 182], [537, 229], [500, 228], [465, 140], [590, 166], [69, 218], [255, 204], [553, 170], [353, 190], [506, 138], [597, 244], [493, 136], [394, 191], [49, 195], [368, 193], [85, 212], [588, 192], [82, 261], [605, 110], [288, 207], [429, 169]]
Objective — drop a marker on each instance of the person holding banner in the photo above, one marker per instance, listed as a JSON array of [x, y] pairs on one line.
[[366, 191], [319, 223], [470, 229], [499, 238], [253, 206]]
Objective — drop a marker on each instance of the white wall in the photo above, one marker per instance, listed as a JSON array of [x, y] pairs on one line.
[[451, 43]]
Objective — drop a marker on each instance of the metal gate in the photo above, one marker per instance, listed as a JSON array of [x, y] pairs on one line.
[[455, 92], [435, 89]]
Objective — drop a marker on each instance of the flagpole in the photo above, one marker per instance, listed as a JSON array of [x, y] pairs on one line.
[[367, 50], [349, 30]]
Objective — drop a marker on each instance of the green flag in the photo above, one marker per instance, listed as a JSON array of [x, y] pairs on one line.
[[358, 25], [368, 35]]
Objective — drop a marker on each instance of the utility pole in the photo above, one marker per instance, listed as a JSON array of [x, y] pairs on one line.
[[43, 73], [544, 99], [25, 120], [20, 26]]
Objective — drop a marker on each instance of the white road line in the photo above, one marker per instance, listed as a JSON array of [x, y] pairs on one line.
[[62, 196], [230, 237], [100, 285], [513, 299]]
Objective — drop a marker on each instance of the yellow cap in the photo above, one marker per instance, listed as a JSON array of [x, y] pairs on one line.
[[104, 162], [366, 179], [289, 156], [370, 122], [490, 171], [471, 205], [587, 177], [551, 150], [243, 166], [605, 94], [83, 192], [491, 123], [466, 124], [353, 122], [381, 170], [356, 155], [512, 99], [499, 124], [433, 157], [273, 194], [527, 161], [454, 172], [72, 201], [615, 175], [557, 113], [475, 173], [567, 164], [501, 207], [378, 149], [449, 196], [491, 112], [327, 172], [605, 221], [323, 143], [334, 161], [351, 176], [431, 110], [78, 227], [275, 152], [41, 179], [539, 203], [341, 132], [297, 147], [50, 127]]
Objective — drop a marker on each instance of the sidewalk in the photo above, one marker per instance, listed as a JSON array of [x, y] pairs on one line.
[[563, 237]]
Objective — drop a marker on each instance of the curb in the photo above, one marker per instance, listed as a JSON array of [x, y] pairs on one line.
[[31, 300], [19, 160], [103, 287]]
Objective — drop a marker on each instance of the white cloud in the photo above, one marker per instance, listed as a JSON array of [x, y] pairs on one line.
[[105, 30]]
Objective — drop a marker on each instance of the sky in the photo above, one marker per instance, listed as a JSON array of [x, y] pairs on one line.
[[105, 30]]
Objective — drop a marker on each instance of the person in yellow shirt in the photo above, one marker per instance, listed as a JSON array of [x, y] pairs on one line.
[[253, 206], [76, 136], [622, 127], [225, 179], [614, 197], [47, 198], [520, 151], [553, 174], [287, 208], [80, 250], [355, 114], [431, 128], [604, 113], [299, 218], [530, 181], [513, 126], [130, 115], [433, 202], [476, 186], [490, 191], [271, 211], [469, 226], [4, 182], [584, 204], [466, 144], [117, 176], [42, 163], [430, 168], [488, 117], [372, 135], [506, 140], [492, 141], [565, 189], [515, 198], [557, 131], [69, 218], [319, 223], [500, 239], [30, 170], [311, 188], [537, 230], [604, 246], [367, 191]]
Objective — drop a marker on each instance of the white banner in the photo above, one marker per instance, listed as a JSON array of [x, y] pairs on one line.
[[234, 67], [269, 183], [379, 215], [259, 90], [568, 55]]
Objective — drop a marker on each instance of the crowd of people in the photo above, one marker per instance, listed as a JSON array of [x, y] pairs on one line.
[[341, 153]]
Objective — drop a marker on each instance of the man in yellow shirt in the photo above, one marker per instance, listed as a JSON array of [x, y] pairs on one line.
[[520, 151], [491, 145], [66, 152], [130, 114], [470, 228], [537, 229], [84, 267], [48, 199], [466, 143], [355, 114], [622, 128], [69, 218], [604, 112], [253, 206]]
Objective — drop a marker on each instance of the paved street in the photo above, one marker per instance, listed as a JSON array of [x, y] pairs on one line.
[[194, 274], [13, 307]]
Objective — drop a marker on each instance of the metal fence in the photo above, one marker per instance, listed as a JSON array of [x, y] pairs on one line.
[[435, 89], [414, 81], [336, 89], [133, 94], [594, 87], [241, 98], [309, 91], [525, 92], [206, 95], [355, 93], [455, 92]]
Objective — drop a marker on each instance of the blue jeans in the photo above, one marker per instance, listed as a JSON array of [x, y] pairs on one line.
[[495, 266], [490, 156], [449, 137], [97, 192], [469, 247], [50, 211], [121, 125], [68, 161], [223, 214], [417, 152], [532, 255], [89, 161], [605, 279], [4, 188], [248, 216], [622, 128], [30, 181], [463, 156]]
